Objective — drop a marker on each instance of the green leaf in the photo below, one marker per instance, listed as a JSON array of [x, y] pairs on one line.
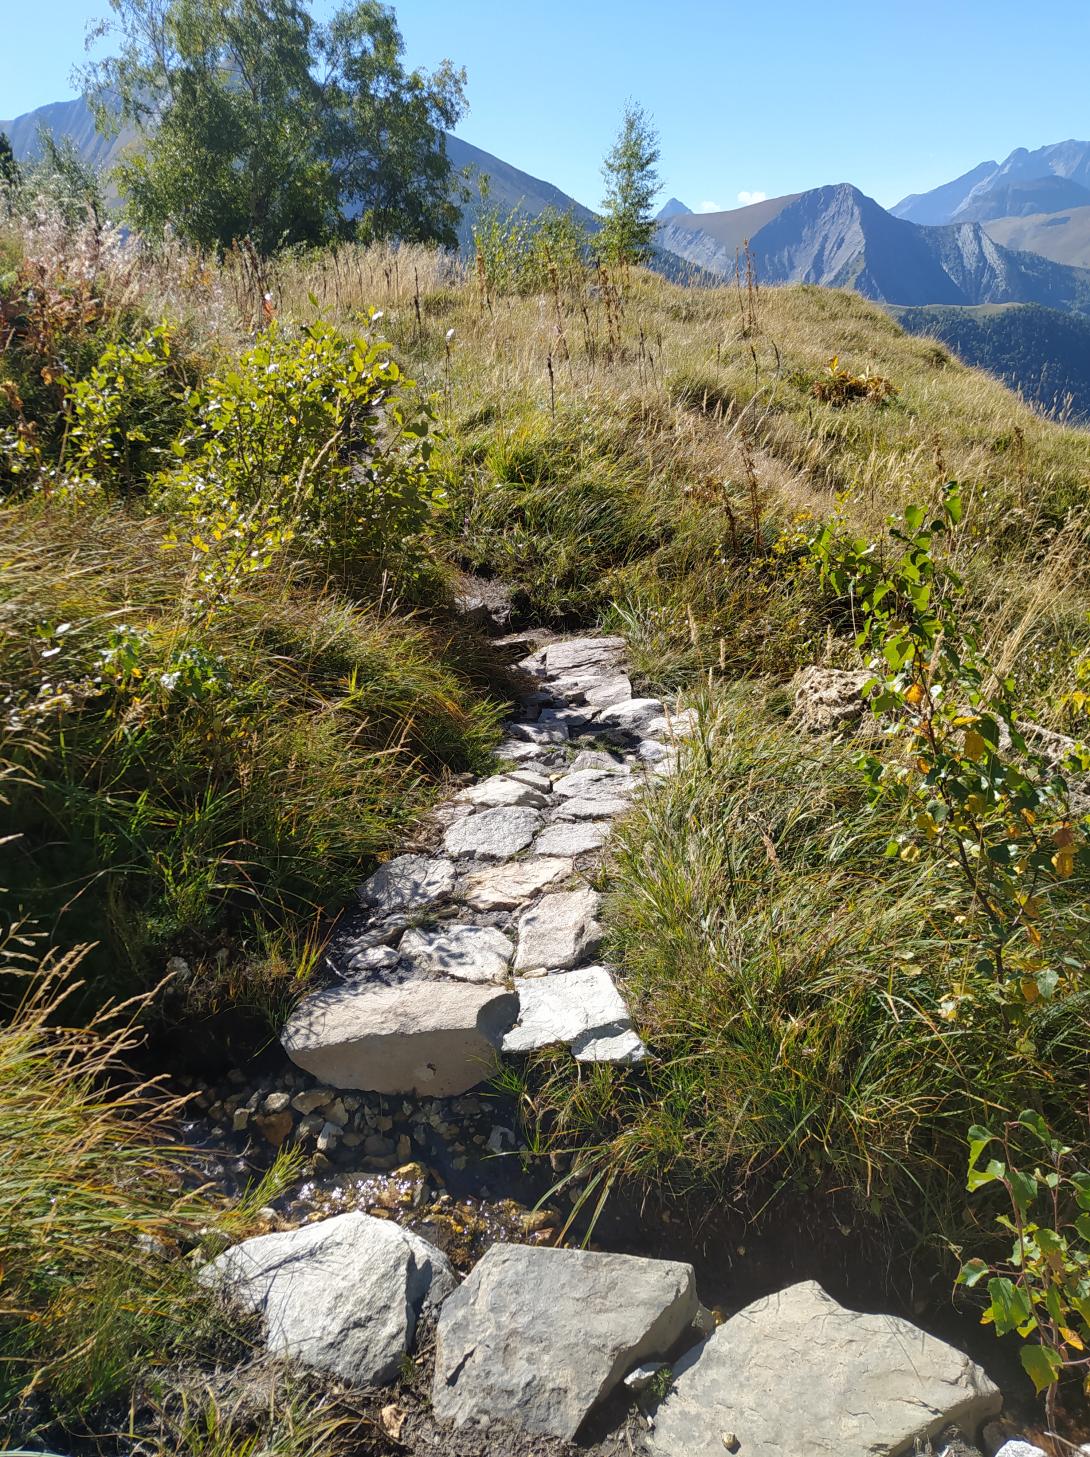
[[1023, 1189], [979, 1177], [1042, 1365], [1010, 1307], [979, 1138], [972, 1271]]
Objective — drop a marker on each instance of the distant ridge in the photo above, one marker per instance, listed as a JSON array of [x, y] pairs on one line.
[[980, 194], [838, 237]]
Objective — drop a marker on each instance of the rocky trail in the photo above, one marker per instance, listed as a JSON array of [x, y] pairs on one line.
[[420, 1240]]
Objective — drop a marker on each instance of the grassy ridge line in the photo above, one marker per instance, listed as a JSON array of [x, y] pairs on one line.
[[680, 431]]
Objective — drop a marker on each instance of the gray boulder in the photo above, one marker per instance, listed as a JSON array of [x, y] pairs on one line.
[[342, 1296], [408, 883], [505, 789], [582, 1008], [558, 930], [797, 1372], [493, 834], [433, 1038], [538, 1337], [575, 655]]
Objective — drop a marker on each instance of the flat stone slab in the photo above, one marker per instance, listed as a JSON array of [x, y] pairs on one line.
[[594, 783], [559, 930], [592, 809], [516, 750], [631, 717], [680, 725], [534, 778], [433, 1038], [468, 953], [505, 789], [798, 1372], [408, 882], [580, 652], [502, 887], [493, 834], [539, 734], [569, 838], [608, 692], [341, 1296], [538, 1337], [597, 759], [582, 1008]]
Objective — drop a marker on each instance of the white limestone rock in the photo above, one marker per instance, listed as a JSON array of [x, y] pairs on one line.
[[493, 834], [341, 1296], [631, 717], [502, 887], [408, 883], [504, 789], [559, 930], [581, 1008], [577, 654], [467, 953], [432, 1038], [571, 838]]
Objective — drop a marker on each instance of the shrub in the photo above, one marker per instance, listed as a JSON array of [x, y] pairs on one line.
[[316, 439]]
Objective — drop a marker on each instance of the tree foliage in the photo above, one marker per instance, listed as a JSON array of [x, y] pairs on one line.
[[632, 181], [259, 122]]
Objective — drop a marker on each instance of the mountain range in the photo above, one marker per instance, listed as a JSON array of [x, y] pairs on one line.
[[1002, 235]]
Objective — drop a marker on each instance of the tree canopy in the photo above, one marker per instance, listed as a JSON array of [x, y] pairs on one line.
[[631, 184], [257, 121]]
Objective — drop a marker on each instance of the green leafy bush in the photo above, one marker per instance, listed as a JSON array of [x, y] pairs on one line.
[[1042, 1290], [316, 439]]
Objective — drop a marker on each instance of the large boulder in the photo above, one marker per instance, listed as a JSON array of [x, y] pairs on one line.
[[539, 1336], [796, 1372], [578, 654], [342, 1296], [433, 1038]]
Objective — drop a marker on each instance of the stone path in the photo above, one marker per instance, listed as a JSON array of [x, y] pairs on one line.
[[489, 945]]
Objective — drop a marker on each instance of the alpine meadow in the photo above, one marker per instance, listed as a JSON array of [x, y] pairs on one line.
[[544, 784]]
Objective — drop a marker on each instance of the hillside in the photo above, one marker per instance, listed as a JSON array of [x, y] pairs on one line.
[[1001, 189], [672, 970], [1041, 352], [1062, 236], [837, 237]]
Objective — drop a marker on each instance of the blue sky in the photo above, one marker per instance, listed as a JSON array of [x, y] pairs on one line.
[[765, 96]]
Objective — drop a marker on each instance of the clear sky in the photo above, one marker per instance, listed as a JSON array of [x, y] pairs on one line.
[[749, 96]]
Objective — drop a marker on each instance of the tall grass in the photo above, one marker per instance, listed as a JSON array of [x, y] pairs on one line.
[[795, 986], [98, 1206]]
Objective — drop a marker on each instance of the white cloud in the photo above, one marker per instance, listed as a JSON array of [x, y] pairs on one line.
[[709, 207], [746, 198]]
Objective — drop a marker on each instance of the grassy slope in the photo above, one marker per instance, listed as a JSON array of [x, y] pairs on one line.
[[632, 461]]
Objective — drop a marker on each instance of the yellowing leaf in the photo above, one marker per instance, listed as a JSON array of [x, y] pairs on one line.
[[974, 744], [914, 694]]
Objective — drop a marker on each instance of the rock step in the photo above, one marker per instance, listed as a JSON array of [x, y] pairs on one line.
[[503, 905]]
